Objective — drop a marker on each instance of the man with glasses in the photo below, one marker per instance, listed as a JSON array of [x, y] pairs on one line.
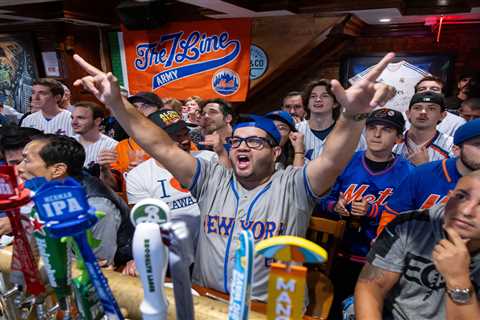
[[251, 195]]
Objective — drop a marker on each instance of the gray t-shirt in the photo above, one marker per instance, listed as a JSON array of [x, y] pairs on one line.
[[405, 246], [281, 206]]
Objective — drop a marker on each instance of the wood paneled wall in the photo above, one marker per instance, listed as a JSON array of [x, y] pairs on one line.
[[460, 40]]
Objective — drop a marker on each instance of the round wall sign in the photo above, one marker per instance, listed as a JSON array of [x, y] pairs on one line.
[[258, 62]]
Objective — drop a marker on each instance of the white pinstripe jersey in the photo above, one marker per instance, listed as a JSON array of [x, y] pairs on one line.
[[439, 148], [314, 145], [60, 124], [93, 149]]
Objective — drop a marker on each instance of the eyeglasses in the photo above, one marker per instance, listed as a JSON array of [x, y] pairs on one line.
[[252, 142]]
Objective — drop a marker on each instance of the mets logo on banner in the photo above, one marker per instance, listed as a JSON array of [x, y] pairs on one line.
[[225, 82], [179, 48]]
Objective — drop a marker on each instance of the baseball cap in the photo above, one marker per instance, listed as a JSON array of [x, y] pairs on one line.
[[282, 116], [428, 96], [148, 98], [467, 131], [169, 120], [260, 122], [388, 117]]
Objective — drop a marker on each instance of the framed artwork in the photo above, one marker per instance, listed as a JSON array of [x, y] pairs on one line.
[[403, 73], [17, 70]]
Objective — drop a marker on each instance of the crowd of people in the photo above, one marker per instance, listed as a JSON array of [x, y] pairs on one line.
[[406, 183]]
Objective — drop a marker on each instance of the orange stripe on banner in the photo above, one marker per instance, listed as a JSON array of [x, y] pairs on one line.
[[210, 59]]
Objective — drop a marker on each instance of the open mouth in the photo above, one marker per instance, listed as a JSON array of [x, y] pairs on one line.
[[243, 161]]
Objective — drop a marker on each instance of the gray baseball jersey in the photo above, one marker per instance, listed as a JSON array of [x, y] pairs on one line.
[[439, 148], [60, 124], [281, 206]]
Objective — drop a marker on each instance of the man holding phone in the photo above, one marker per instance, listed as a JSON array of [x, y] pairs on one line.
[[426, 263]]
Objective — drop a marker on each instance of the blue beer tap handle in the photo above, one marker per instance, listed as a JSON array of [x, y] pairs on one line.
[[99, 281]]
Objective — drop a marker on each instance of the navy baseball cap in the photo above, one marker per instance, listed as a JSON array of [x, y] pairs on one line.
[[428, 96], [388, 117], [467, 131], [260, 122], [284, 117]]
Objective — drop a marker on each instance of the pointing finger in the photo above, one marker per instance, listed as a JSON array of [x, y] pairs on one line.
[[379, 67], [86, 66]]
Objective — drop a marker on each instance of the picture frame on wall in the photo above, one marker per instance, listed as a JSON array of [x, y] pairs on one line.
[[18, 70], [403, 73]]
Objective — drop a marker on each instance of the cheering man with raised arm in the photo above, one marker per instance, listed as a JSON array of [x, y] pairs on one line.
[[251, 195]]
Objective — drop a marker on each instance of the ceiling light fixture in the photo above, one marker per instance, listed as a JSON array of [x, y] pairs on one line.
[[385, 20]]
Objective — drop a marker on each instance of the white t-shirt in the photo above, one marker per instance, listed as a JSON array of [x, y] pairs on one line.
[[149, 180], [92, 150], [60, 124], [403, 76]]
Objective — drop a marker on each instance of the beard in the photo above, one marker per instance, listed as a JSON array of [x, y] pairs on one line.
[[470, 163]]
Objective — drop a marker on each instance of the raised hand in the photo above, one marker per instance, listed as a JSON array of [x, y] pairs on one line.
[[104, 86], [452, 259], [214, 141], [366, 93], [296, 138], [418, 156], [107, 157]]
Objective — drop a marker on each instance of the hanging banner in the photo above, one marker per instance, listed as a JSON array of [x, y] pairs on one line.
[[210, 59]]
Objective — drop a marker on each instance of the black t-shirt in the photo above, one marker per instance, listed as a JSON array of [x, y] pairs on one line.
[[376, 166], [322, 134]]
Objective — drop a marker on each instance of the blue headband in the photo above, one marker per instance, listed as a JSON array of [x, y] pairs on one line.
[[260, 122]]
